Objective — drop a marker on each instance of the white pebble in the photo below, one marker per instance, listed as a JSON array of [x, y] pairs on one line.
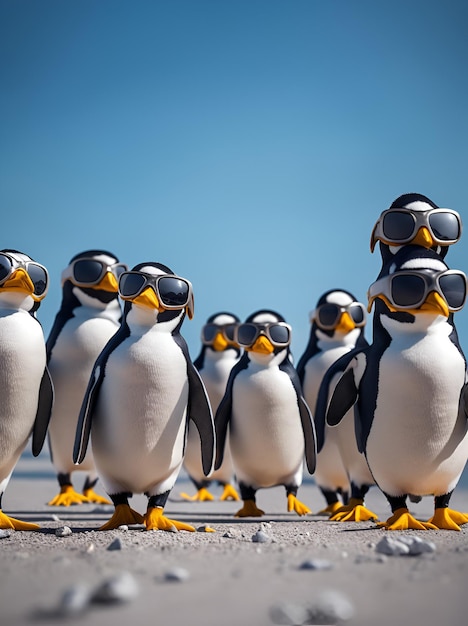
[[56, 518], [75, 600], [177, 574], [120, 588], [392, 547], [316, 564], [4, 533], [260, 537], [123, 527], [417, 545], [63, 531], [330, 608], [288, 614]]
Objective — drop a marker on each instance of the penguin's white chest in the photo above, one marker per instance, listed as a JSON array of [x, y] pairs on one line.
[[23, 360], [417, 444], [139, 430], [267, 441]]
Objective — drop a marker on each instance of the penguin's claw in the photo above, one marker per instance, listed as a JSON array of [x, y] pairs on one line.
[[448, 519], [202, 495], [10, 523], [92, 496], [331, 509], [155, 520], [403, 520], [229, 493], [123, 515], [355, 511], [297, 506], [67, 497], [249, 509]]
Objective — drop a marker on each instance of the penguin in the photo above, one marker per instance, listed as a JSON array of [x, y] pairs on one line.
[[26, 388], [89, 315], [141, 393], [271, 426], [338, 323], [410, 388], [415, 219], [218, 355]]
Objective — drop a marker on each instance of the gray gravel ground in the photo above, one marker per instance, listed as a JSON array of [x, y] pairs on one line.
[[254, 572]]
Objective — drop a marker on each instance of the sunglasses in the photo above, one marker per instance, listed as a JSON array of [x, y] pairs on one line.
[[89, 272], [400, 226], [408, 289], [279, 333], [36, 272], [327, 316], [172, 291], [209, 332]]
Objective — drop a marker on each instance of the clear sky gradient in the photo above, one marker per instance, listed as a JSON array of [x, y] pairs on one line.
[[248, 144]]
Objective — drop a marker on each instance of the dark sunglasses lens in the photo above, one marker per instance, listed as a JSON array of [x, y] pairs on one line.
[[5, 267], [117, 270], [209, 332], [173, 291], [229, 331], [328, 314], [453, 287], [38, 277], [279, 334], [445, 226], [131, 284], [246, 334], [357, 313], [408, 290], [87, 271], [398, 226]]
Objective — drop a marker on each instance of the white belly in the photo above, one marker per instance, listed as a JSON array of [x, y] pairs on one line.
[[267, 441]]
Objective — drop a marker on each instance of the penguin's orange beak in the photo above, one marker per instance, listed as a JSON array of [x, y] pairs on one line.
[[220, 344], [346, 324], [148, 298], [423, 238], [108, 283], [20, 282], [262, 345], [434, 304]]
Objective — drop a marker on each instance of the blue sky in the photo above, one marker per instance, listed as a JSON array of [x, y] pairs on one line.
[[250, 144]]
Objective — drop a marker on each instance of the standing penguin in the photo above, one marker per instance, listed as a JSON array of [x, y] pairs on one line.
[[26, 390], [88, 317], [217, 357], [271, 427], [410, 388], [142, 392], [337, 328], [414, 219]]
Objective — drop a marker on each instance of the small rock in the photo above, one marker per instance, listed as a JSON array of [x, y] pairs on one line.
[[417, 545], [120, 588], [316, 564], [91, 548], [260, 537], [205, 529], [332, 607], [289, 614], [75, 600], [4, 533], [63, 531], [392, 547], [123, 527], [56, 518], [177, 574], [115, 545]]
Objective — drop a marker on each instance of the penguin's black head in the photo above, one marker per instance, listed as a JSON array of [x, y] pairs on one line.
[[337, 311], [153, 287], [23, 281], [94, 273], [417, 281], [415, 219], [219, 331], [264, 332]]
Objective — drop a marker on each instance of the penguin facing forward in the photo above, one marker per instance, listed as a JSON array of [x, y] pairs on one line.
[[338, 323], [142, 392], [26, 389], [410, 388], [415, 219], [271, 427], [217, 357], [89, 315]]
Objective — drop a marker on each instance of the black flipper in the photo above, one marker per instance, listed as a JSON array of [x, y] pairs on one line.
[[83, 428], [223, 413], [343, 398], [44, 410], [307, 421]]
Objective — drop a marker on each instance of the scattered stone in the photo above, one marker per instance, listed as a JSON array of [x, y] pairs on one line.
[[123, 527], [56, 518], [115, 545], [63, 531], [91, 548], [205, 529], [75, 600], [316, 564], [120, 588], [289, 614], [332, 607], [392, 547], [405, 545], [260, 537], [4, 533], [177, 574]]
